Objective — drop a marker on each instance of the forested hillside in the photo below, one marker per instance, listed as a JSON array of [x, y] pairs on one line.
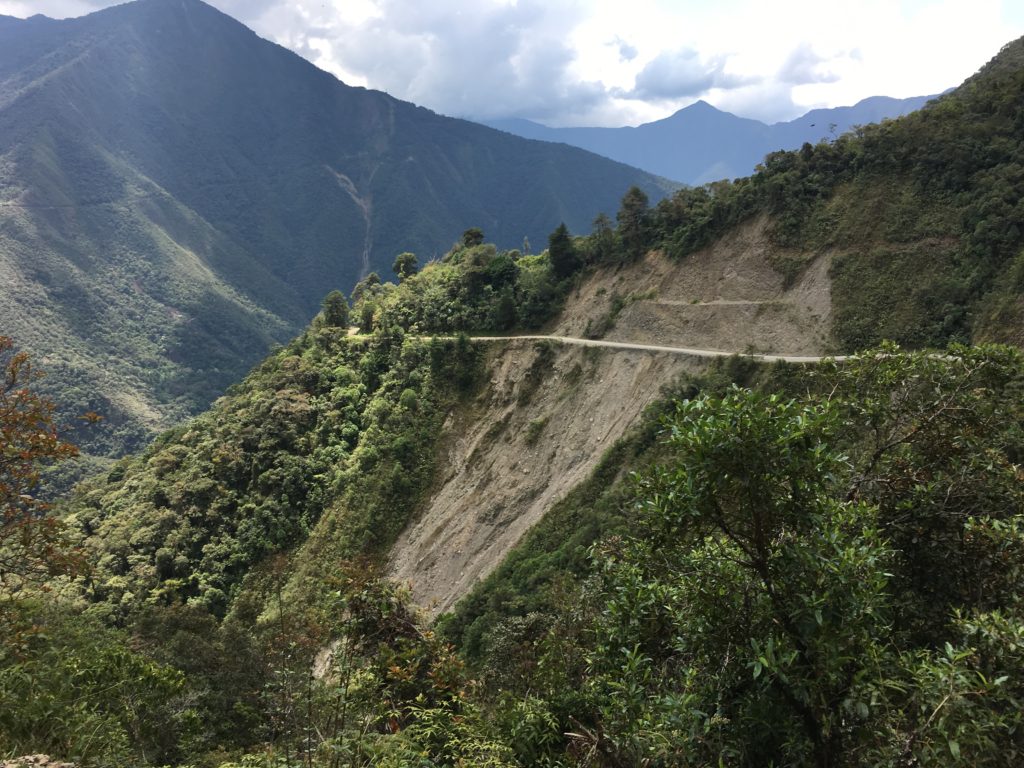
[[177, 195], [920, 218], [811, 565]]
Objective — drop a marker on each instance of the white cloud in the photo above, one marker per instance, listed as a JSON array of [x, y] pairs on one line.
[[684, 74], [612, 63], [805, 65]]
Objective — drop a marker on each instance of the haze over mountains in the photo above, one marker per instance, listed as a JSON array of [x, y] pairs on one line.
[[176, 194], [700, 143]]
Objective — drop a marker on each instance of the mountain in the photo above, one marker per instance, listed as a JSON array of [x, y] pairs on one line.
[[435, 456], [177, 194], [700, 143], [654, 553]]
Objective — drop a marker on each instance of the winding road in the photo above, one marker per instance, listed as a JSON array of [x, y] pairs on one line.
[[767, 358]]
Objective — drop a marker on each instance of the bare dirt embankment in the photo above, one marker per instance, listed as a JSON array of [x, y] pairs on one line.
[[549, 413], [551, 409], [726, 297]]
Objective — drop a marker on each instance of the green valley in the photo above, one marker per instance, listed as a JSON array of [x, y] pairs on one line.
[[177, 195], [492, 513]]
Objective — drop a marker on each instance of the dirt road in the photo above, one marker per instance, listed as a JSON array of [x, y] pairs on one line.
[[767, 358]]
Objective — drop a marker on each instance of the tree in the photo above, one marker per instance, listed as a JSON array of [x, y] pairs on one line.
[[31, 544], [562, 252], [602, 238], [503, 316], [760, 589], [367, 286], [405, 265], [473, 237], [633, 218], [335, 310]]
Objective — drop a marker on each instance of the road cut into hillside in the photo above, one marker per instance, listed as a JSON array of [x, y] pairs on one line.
[[556, 402]]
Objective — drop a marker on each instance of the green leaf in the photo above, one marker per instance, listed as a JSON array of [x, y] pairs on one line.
[[954, 749]]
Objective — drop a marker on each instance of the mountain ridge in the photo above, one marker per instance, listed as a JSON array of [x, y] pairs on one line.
[[825, 527], [701, 143], [180, 194]]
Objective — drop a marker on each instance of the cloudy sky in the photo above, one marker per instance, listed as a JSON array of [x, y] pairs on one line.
[[623, 62]]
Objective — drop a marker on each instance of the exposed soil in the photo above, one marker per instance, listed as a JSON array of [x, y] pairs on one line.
[[542, 425], [727, 297], [523, 446]]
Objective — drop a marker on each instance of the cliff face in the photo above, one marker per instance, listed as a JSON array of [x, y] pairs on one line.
[[551, 410], [546, 418]]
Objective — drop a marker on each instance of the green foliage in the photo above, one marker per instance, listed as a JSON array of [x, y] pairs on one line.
[[73, 688], [473, 288], [825, 578], [562, 252], [331, 423], [633, 218], [473, 237], [387, 690], [335, 310], [405, 265], [534, 429]]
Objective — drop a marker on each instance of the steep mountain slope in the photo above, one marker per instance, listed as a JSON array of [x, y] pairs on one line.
[[177, 194], [700, 143], [792, 260], [731, 296], [886, 489], [539, 430]]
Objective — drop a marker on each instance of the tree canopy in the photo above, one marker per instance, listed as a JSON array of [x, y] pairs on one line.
[[335, 309], [562, 252], [405, 265]]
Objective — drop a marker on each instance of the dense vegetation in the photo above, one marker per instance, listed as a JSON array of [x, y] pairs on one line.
[[815, 566], [475, 287], [822, 570], [327, 423]]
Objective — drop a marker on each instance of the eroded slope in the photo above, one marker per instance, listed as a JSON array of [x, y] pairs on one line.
[[538, 429], [551, 410], [730, 296]]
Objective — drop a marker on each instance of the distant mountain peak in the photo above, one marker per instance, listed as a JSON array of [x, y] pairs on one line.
[[701, 143], [15, 20], [699, 107]]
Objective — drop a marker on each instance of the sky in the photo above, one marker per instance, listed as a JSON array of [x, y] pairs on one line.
[[625, 62]]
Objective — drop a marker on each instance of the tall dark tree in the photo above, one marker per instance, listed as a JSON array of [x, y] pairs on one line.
[[633, 219], [405, 265], [562, 252], [472, 237], [603, 238], [336, 310]]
